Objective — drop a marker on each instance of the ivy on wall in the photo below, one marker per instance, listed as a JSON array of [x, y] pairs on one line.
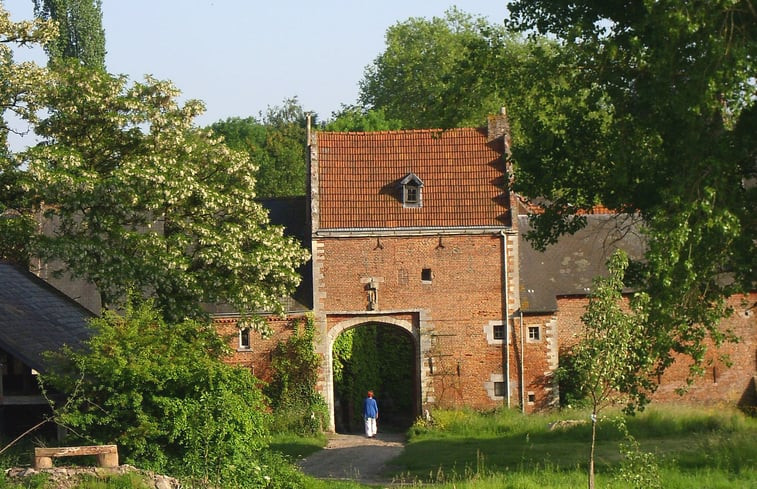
[[297, 405]]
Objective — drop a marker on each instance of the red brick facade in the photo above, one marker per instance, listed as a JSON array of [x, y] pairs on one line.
[[450, 268], [721, 382], [443, 268], [256, 357]]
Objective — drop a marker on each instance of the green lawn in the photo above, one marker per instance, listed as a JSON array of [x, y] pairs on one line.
[[463, 449], [295, 446]]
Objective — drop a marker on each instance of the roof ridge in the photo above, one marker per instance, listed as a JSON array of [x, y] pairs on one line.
[[406, 131]]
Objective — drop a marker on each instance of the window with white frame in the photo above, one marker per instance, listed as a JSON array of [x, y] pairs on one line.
[[534, 333], [495, 332]]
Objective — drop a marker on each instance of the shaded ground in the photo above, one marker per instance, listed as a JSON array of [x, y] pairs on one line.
[[355, 457]]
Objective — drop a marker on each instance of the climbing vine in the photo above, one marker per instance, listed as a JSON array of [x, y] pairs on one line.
[[297, 405]]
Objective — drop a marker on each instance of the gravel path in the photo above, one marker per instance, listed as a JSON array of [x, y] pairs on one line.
[[355, 457]]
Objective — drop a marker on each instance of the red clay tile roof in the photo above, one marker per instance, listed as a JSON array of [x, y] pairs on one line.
[[359, 179]]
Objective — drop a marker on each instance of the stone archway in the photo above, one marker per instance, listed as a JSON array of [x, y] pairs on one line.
[[398, 410]]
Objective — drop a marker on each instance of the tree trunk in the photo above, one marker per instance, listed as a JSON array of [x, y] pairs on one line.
[[591, 452]]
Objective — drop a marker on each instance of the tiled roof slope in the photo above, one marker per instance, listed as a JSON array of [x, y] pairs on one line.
[[359, 179], [569, 266], [35, 317]]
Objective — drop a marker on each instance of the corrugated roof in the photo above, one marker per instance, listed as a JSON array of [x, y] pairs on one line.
[[360, 173], [35, 317]]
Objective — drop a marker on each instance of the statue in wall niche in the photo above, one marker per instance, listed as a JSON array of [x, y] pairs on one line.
[[372, 288]]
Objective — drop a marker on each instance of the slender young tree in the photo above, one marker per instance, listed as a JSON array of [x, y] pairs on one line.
[[80, 30], [612, 358]]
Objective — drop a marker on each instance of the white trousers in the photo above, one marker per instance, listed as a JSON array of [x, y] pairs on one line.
[[370, 427]]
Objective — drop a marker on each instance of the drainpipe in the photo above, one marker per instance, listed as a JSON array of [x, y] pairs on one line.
[[522, 368], [507, 316]]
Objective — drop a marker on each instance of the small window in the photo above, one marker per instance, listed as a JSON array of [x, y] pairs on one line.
[[244, 339], [412, 187], [499, 389], [531, 398], [499, 331], [411, 194], [426, 275], [534, 333]]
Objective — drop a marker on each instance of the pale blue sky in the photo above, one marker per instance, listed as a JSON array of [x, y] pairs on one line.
[[241, 56]]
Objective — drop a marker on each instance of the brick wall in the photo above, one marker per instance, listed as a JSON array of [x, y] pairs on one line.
[[454, 312], [258, 357], [721, 383]]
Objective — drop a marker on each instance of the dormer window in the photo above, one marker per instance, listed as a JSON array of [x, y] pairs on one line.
[[411, 191]]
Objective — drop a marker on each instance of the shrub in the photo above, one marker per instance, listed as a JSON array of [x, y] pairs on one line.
[[163, 394]]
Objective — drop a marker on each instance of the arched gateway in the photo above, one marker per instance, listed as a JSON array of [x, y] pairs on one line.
[[334, 327]]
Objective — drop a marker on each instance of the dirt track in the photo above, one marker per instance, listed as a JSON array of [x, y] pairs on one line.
[[355, 457]]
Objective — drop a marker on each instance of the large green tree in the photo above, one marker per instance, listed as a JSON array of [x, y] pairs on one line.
[[359, 119], [139, 199], [652, 113], [80, 30], [276, 143], [440, 72]]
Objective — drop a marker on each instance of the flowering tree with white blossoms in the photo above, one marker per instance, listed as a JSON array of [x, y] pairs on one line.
[[18, 101], [138, 198], [142, 200]]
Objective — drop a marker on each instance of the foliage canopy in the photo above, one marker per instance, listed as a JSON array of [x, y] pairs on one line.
[[443, 72], [650, 110], [80, 31], [276, 144]]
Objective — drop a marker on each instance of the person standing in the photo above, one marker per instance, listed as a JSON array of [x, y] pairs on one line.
[[370, 414]]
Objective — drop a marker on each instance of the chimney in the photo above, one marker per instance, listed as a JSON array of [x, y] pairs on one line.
[[499, 128]]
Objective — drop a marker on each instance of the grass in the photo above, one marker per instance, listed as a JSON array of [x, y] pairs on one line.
[[40, 481], [719, 446], [462, 449], [296, 446]]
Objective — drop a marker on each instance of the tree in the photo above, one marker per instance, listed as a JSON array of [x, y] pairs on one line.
[[612, 359], [277, 145], [19, 101], [163, 393], [653, 115], [437, 73], [80, 31], [141, 200], [358, 119]]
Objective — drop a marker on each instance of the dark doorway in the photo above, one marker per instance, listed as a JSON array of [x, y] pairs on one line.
[[381, 358]]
